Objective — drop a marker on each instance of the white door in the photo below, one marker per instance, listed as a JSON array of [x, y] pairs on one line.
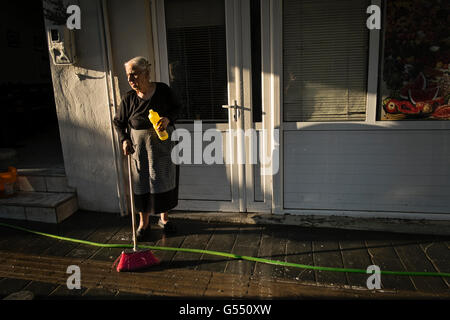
[[209, 52]]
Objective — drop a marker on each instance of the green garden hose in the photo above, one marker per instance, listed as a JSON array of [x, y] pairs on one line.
[[227, 255]]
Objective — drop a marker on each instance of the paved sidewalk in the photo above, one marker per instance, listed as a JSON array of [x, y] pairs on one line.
[[38, 264]]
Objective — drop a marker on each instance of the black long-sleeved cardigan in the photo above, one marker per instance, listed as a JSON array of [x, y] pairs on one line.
[[133, 111]]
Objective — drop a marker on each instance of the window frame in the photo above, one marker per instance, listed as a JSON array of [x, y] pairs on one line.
[[374, 65], [162, 59]]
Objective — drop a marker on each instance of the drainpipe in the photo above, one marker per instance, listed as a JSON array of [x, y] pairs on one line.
[[112, 106]]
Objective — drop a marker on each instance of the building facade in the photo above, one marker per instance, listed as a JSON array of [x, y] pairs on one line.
[[331, 115]]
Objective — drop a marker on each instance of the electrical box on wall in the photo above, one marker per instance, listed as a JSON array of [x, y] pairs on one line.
[[61, 42]]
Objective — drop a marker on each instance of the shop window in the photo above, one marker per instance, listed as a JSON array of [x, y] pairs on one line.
[[325, 60], [415, 82], [196, 48]]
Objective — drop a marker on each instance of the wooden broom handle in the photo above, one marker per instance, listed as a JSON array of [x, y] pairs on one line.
[[133, 222]]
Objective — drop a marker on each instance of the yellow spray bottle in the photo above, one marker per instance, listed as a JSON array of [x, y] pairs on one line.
[[154, 118]]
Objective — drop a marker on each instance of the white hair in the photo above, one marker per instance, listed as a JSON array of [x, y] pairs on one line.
[[140, 62]]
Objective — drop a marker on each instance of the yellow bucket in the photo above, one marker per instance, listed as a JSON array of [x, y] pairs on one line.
[[8, 182]]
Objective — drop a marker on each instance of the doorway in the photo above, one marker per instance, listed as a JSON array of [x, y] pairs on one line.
[[29, 122], [209, 52]]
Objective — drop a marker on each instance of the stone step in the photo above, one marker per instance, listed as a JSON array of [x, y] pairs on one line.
[[50, 207], [43, 180]]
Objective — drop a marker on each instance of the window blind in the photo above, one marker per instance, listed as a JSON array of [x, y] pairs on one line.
[[325, 60], [196, 48]]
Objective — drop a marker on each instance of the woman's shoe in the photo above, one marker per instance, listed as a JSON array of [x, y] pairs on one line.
[[142, 234], [167, 227]]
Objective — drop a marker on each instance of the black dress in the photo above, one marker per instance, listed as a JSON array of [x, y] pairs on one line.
[[155, 177]]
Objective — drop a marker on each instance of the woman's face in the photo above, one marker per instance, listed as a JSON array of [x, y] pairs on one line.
[[139, 80]]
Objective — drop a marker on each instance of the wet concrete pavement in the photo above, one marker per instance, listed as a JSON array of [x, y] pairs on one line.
[[39, 264]]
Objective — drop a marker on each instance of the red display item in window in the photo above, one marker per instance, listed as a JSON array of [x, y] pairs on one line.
[[396, 106], [442, 112], [416, 95], [390, 106], [407, 107], [430, 105], [420, 83]]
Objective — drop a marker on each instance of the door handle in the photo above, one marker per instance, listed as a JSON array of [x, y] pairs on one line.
[[236, 110]]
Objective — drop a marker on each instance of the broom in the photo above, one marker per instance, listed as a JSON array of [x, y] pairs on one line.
[[135, 259]]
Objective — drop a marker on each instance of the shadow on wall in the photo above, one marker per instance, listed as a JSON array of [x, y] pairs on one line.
[[89, 165], [83, 112]]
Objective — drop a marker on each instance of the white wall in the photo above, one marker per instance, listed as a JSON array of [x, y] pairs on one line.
[[83, 117], [82, 101], [380, 170]]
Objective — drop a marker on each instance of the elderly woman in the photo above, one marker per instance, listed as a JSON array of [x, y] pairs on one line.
[[154, 175]]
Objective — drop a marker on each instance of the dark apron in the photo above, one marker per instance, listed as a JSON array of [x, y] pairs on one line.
[[152, 168]]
